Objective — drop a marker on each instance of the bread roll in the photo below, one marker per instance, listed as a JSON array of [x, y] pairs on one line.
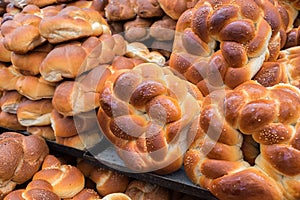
[[10, 101], [106, 181], [174, 9], [43, 131], [35, 88], [139, 190], [144, 115], [163, 29], [117, 10], [137, 30], [29, 63], [23, 3], [10, 121], [11, 74], [5, 53], [73, 23], [63, 126], [66, 180], [37, 189], [248, 140], [149, 9], [21, 156]]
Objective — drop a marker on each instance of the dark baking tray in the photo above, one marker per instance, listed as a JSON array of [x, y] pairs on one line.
[[177, 181]]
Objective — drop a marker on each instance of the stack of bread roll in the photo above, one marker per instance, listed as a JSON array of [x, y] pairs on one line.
[[149, 21]]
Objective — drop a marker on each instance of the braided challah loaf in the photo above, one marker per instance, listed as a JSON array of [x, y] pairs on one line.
[[66, 180], [220, 42], [150, 115], [35, 190], [249, 148], [21, 157]]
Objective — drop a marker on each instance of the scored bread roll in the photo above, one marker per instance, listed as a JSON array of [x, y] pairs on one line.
[[37, 189], [35, 88], [145, 112], [10, 101], [66, 180], [21, 156], [73, 23], [140, 190], [35, 113]]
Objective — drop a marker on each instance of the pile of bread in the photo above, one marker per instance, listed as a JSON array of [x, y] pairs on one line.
[[212, 86], [29, 171]]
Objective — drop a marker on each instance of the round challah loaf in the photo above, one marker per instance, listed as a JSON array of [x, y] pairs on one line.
[[21, 157], [249, 147], [150, 115], [223, 43], [35, 190]]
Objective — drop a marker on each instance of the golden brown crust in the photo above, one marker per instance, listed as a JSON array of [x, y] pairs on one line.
[[35, 113], [215, 36], [154, 91], [77, 23], [66, 180], [10, 101], [142, 190], [63, 126], [22, 157], [37, 189], [262, 124], [43, 131]]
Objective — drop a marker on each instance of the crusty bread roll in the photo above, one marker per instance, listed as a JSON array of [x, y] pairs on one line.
[[73, 23], [63, 126], [29, 63], [140, 190], [117, 10], [149, 9], [66, 180], [5, 55], [35, 113], [43, 131], [37, 189], [106, 181], [10, 121], [137, 30], [163, 29], [71, 98], [21, 157], [214, 51], [268, 167], [35, 88], [145, 112], [81, 141], [10, 101], [39, 3], [175, 8], [11, 74]]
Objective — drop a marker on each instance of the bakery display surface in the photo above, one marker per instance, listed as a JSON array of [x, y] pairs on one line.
[[128, 99]]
